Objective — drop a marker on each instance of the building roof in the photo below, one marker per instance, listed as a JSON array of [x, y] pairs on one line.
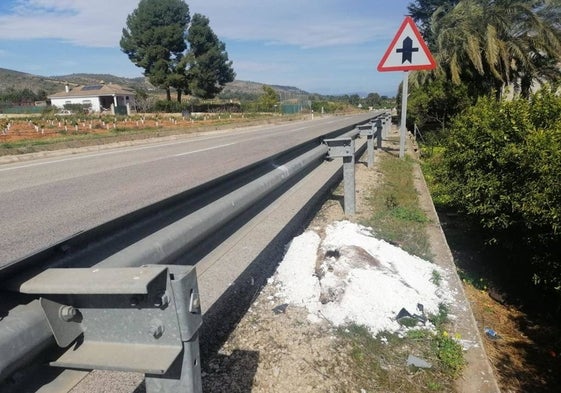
[[95, 91]]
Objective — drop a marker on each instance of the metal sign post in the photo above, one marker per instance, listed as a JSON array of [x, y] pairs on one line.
[[403, 125]]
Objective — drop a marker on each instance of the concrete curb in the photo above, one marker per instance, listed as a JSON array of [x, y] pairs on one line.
[[478, 375]]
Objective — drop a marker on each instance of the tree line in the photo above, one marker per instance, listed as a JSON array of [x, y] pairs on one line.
[[491, 113], [13, 96]]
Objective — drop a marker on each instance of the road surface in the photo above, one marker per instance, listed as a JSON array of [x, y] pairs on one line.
[[43, 201]]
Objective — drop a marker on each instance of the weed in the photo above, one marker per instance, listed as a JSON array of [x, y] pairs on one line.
[[418, 334], [391, 202], [448, 350], [450, 353], [478, 283], [409, 214], [439, 319], [436, 278], [118, 130], [408, 322], [434, 386]]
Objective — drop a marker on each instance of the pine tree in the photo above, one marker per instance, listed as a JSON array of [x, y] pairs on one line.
[[207, 66], [154, 39]]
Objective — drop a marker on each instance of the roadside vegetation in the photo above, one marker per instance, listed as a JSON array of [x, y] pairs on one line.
[[490, 118], [491, 145], [378, 362], [396, 216]]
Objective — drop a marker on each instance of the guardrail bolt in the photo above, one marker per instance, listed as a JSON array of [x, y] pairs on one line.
[[161, 300], [134, 301], [195, 303], [156, 329], [66, 313]]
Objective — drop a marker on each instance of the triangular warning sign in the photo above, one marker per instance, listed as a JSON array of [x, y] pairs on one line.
[[407, 51]]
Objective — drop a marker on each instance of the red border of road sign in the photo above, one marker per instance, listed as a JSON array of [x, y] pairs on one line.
[[409, 67]]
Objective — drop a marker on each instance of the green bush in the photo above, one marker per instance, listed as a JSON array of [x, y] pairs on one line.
[[171, 106], [432, 106], [328, 106], [502, 165], [195, 106]]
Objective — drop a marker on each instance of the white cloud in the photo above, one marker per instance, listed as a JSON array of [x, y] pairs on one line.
[[80, 22], [306, 24]]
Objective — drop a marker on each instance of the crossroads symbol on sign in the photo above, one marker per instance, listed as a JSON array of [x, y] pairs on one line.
[[407, 50]]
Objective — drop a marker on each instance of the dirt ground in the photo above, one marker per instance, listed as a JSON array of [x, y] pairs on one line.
[[525, 348]]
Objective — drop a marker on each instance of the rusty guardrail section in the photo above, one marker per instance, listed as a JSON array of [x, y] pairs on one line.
[[124, 296]]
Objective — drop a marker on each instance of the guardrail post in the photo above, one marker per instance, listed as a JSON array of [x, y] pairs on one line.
[[185, 374], [379, 132], [368, 131], [386, 123], [143, 319], [345, 147]]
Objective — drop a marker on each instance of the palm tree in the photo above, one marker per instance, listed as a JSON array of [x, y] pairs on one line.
[[488, 44], [421, 11]]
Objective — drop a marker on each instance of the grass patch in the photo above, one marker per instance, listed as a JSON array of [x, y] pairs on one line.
[[397, 217], [379, 364], [411, 214]]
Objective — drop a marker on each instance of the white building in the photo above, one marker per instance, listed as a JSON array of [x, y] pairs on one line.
[[102, 97]]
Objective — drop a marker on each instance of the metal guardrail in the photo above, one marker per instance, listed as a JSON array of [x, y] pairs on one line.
[[158, 234]]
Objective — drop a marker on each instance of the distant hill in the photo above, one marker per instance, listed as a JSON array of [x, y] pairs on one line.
[[21, 80], [52, 84], [246, 87]]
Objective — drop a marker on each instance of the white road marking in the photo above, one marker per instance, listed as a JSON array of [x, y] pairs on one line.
[[93, 155], [83, 156], [201, 150]]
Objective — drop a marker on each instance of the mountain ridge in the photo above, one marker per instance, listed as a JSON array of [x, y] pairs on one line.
[[53, 84]]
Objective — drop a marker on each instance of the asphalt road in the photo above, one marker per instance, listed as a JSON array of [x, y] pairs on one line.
[[43, 201]]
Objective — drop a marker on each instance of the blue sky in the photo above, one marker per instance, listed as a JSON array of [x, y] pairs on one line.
[[321, 46]]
